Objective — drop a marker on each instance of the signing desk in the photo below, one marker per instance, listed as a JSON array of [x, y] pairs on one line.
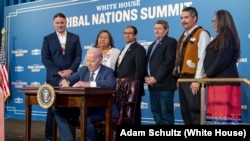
[[72, 97]]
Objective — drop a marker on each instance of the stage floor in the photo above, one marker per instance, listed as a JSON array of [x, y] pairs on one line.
[[15, 130]]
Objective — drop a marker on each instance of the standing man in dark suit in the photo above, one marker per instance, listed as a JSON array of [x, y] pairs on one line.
[[161, 83], [61, 55], [132, 63], [102, 77]]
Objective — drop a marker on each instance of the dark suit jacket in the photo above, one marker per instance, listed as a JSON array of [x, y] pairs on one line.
[[133, 64], [53, 58], [221, 63], [105, 77], [162, 63]]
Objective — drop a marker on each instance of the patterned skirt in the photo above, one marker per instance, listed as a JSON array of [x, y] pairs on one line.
[[223, 105]]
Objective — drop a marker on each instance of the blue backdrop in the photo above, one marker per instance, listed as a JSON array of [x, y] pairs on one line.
[[26, 24]]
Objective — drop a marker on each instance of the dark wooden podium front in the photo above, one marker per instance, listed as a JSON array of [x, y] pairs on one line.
[[72, 97]]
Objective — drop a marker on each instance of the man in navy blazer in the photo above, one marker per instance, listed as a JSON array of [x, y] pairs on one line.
[[161, 83], [103, 77], [61, 55]]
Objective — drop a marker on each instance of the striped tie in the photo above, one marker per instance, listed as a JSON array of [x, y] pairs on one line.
[[91, 78]]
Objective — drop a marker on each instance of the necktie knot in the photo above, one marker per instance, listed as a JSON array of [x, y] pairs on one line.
[[91, 78], [157, 41]]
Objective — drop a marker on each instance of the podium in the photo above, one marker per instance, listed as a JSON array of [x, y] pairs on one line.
[[72, 97]]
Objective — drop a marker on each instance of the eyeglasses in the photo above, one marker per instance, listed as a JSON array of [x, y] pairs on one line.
[[105, 38], [214, 21], [130, 33]]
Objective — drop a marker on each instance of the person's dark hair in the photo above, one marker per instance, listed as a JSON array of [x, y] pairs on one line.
[[59, 15], [111, 41], [133, 27], [164, 23], [227, 33], [193, 12]]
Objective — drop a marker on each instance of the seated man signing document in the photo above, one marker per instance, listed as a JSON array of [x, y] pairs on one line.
[[94, 74]]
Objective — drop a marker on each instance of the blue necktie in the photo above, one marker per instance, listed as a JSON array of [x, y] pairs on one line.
[[153, 49], [156, 43]]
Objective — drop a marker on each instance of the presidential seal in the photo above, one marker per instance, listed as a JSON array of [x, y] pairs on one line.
[[45, 96]]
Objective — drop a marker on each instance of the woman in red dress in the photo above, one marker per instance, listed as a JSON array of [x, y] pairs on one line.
[[223, 101]]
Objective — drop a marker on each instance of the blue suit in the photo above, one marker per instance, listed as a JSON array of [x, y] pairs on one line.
[[105, 79], [54, 60]]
